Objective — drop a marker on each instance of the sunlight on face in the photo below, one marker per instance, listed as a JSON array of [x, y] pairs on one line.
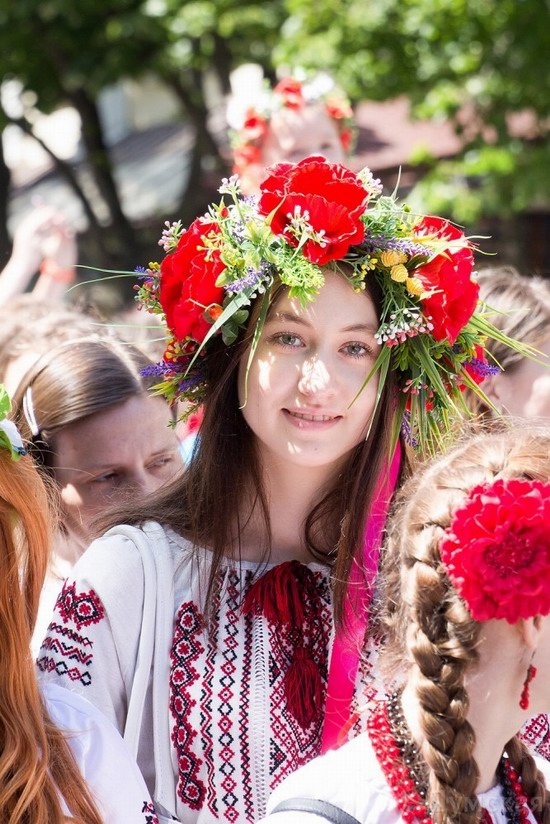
[[296, 134], [123, 452], [308, 368]]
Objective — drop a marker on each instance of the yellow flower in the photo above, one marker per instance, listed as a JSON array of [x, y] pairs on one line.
[[391, 257], [399, 273], [414, 287], [368, 264]]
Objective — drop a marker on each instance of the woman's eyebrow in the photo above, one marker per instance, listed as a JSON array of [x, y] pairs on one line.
[[287, 317], [360, 327]]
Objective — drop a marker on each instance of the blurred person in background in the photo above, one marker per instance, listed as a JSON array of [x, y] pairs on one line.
[[30, 328], [299, 117], [43, 243], [522, 307]]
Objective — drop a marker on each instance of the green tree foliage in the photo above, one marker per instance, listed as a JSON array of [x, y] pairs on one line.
[[65, 52], [480, 63]]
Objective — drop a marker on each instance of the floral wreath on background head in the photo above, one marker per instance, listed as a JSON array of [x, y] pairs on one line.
[[10, 438], [308, 215], [496, 551], [295, 94]]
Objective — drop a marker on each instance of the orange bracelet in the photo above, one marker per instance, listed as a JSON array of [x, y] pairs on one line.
[[52, 270]]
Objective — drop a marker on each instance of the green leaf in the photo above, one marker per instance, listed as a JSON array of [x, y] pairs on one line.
[[255, 340]]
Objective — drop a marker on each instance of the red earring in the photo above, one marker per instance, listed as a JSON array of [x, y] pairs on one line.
[[524, 699]]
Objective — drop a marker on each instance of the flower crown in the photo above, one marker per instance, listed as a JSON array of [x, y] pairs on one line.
[[497, 550], [291, 93], [10, 438], [308, 215]]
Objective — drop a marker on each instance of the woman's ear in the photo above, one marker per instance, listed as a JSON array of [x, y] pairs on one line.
[[530, 631]]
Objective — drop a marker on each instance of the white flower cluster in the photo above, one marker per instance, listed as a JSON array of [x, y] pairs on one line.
[[406, 323]]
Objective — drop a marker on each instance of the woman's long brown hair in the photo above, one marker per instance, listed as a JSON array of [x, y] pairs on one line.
[[37, 768], [428, 627], [225, 471]]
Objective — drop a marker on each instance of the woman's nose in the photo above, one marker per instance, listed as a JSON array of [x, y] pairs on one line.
[[315, 378], [142, 483]]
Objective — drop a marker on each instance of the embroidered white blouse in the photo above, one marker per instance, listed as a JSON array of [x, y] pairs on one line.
[[233, 734]]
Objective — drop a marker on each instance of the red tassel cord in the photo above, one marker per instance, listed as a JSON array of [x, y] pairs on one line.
[[288, 597]]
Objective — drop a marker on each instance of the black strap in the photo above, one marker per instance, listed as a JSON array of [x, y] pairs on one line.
[[313, 805]]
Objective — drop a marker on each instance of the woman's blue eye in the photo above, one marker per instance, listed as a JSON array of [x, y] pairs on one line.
[[288, 339], [356, 350]]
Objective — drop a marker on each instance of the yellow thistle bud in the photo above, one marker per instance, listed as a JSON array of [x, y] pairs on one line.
[[391, 257], [414, 287], [399, 273]]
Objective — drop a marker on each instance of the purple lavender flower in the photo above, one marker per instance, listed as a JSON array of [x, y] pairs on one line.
[[377, 243], [250, 280], [406, 430], [154, 370], [481, 368], [191, 382]]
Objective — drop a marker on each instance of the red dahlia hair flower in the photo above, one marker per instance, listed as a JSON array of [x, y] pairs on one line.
[[497, 550]]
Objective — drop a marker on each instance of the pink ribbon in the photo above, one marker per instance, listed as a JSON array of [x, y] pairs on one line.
[[349, 639]]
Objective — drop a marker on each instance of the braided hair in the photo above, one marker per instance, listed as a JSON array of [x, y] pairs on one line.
[[428, 625]]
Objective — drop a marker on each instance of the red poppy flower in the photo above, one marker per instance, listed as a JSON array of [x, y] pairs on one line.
[[254, 126], [346, 136], [187, 281], [449, 276], [333, 198], [245, 155], [497, 550], [290, 90], [338, 108]]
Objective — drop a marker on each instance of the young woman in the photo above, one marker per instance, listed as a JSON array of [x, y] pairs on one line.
[[468, 619], [82, 408], [60, 760], [291, 325], [522, 307]]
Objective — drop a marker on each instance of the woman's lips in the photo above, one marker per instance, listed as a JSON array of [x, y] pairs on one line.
[[311, 420]]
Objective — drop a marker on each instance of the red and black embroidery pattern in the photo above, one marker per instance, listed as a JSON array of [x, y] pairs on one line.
[[150, 815], [244, 714], [82, 608], [227, 700], [234, 733], [65, 650], [536, 735], [186, 650], [65, 644]]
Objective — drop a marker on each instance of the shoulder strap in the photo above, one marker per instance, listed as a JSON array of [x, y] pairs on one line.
[[153, 654], [323, 809]]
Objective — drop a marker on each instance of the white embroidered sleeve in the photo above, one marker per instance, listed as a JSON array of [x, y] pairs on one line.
[[92, 640]]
